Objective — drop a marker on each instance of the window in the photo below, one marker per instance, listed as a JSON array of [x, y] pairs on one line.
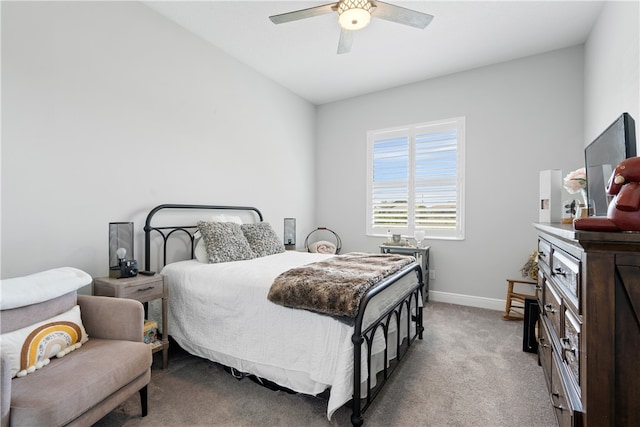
[[415, 180]]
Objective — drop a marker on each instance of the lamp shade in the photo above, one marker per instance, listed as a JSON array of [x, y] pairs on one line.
[[290, 232], [120, 237]]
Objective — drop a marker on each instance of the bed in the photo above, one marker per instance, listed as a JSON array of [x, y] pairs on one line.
[[222, 312]]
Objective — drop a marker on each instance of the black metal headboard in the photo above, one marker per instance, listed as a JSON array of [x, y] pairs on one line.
[[167, 231]]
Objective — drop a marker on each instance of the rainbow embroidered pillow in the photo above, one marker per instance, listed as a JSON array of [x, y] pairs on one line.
[[29, 349]]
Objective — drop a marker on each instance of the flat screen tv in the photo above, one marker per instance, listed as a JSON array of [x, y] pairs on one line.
[[612, 146]]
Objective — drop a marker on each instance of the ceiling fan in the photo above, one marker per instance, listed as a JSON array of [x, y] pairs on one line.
[[354, 15]]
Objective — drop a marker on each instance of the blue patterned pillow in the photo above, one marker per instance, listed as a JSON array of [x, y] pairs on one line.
[[225, 242], [262, 239]]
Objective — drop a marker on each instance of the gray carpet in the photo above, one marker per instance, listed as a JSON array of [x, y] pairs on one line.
[[469, 370]]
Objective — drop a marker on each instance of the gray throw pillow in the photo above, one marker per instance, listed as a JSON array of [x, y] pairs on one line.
[[225, 242], [262, 239]]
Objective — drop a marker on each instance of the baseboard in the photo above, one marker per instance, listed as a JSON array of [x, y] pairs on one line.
[[468, 300]]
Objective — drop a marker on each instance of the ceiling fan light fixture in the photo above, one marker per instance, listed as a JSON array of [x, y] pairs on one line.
[[354, 14]]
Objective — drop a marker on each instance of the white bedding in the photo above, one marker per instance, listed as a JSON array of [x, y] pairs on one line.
[[221, 312]]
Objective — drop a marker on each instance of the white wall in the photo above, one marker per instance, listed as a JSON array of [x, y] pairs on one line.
[[612, 68], [109, 109], [99, 90], [522, 116]]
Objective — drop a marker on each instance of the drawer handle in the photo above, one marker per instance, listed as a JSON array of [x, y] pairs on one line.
[[557, 396], [548, 308], [145, 289], [543, 343], [559, 271], [542, 254], [567, 347]]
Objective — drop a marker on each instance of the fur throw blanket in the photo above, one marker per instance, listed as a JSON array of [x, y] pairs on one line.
[[336, 285]]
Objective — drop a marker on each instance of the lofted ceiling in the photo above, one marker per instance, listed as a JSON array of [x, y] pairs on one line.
[[301, 55]]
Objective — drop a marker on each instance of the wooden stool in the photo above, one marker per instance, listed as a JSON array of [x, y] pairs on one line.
[[514, 309]]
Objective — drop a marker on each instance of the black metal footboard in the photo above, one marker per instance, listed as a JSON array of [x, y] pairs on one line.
[[412, 298]]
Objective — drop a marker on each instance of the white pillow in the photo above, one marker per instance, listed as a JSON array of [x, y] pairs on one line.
[[226, 218], [200, 250], [31, 348]]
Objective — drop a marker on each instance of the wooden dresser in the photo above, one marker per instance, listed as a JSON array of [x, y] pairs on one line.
[[589, 329]]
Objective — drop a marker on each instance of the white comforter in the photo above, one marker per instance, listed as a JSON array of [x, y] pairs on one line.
[[221, 312]]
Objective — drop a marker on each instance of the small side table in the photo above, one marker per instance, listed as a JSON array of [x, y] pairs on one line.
[[143, 289], [421, 254]]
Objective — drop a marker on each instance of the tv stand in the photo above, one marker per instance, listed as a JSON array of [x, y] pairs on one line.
[[589, 328]]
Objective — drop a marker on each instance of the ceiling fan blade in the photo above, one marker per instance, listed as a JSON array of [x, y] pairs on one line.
[[346, 40], [401, 15], [304, 13]]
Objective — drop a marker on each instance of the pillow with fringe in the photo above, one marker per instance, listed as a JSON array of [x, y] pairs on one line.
[[32, 347]]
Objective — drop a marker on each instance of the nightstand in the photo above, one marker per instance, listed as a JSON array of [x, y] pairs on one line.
[[143, 289], [421, 254]]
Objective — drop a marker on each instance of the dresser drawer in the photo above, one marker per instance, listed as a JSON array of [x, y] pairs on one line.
[[551, 308], [570, 343], [544, 253], [544, 351], [566, 272], [559, 396]]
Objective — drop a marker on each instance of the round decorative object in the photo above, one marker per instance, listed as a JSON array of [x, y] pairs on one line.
[[320, 231]]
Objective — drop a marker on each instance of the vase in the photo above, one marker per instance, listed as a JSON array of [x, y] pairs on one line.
[[583, 193], [587, 203], [581, 211]]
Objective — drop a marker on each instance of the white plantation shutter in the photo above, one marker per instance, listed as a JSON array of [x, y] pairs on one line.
[[415, 180], [436, 178], [390, 193]]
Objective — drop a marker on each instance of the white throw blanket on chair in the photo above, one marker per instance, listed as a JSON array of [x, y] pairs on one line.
[[42, 286]]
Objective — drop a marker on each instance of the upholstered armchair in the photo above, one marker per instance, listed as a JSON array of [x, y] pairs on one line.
[[68, 359]]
